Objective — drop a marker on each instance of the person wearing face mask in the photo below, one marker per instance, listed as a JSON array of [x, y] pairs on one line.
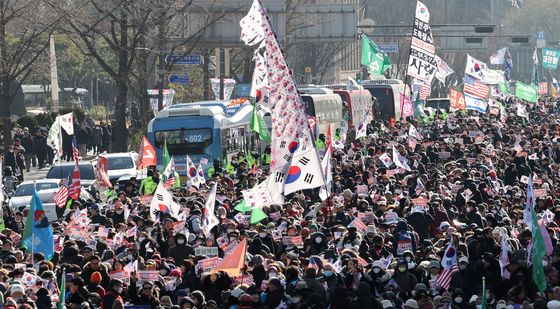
[[377, 278], [405, 280], [331, 279], [316, 244], [181, 250], [458, 278], [459, 298]]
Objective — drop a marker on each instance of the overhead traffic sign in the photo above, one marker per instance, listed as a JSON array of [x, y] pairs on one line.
[[183, 59], [179, 79]]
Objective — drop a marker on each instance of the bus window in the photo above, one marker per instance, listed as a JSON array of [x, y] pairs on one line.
[[233, 140], [184, 141], [385, 102], [309, 106]]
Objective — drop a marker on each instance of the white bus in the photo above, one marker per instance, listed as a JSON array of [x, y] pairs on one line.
[[387, 92], [324, 105]]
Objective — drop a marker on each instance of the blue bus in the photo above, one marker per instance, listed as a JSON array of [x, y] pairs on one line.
[[206, 131]]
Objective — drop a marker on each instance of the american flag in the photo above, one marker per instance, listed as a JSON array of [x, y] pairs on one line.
[[61, 196], [75, 188], [475, 88], [449, 263], [424, 91], [169, 174]]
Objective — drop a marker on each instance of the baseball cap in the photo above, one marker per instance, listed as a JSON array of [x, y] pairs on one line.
[[411, 303]]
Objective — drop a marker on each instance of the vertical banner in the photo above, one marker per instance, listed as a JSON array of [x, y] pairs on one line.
[[422, 63]]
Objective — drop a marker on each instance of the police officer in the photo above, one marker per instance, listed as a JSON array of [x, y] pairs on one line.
[[149, 184]]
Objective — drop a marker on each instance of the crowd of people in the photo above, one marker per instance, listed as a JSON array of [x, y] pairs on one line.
[[466, 184]]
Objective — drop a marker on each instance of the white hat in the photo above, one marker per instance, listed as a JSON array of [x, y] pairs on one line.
[[553, 304], [14, 288], [501, 304], [411, 303], [376, 264], [463, 259], [386, 304], [443, 225]]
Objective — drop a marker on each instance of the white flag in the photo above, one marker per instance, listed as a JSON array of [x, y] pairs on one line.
[[54, 139], [192, 173], [412, 132], [67, 123], [443, 70], [499, 56], [475, 68], [326, 190], [362, 128], [200, 174], [535, 57], [163, 202], [305, 171], [274, 189], [386, 160], [209, 219], [399, 160]]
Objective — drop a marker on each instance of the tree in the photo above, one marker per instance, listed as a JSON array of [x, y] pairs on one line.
[[25, 27], [118, 24]]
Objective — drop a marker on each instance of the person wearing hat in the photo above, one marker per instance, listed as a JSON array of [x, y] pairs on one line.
[[94, 284], [377, 278], [404, 279], [95, 216], [403, 239], [181, 250], [411, 304], [114, 294], [146, 296]]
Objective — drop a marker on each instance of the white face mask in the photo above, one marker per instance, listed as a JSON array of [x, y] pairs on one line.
[[376, 270], [462, 267], [262, 234], [130, 257], [119, 290], [458, 300], [180, 241], [272, 275], [544, 263], [318, 240]]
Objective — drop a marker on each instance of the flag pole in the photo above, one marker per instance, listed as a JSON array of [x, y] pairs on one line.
[[406, 77]]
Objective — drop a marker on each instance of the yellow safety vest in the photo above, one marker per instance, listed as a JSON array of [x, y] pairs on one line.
[[148, 186]]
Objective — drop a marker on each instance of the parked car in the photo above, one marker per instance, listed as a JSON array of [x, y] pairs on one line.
[[87, 175], [121, 166], [24, 192]]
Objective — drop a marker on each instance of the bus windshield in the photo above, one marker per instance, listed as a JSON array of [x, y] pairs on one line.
[[385, 101], [183, 141]]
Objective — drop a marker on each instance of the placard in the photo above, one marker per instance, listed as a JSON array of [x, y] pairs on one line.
[[207, 251], [420, 201], [362, 189], [540, 192], [207, 265], [246, 279], [229, 247], [358, 224], [444, 155], [121, 275], [292, 240], [147, 275]]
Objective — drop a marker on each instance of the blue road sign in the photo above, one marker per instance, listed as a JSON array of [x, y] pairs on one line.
[[389, 48], [179, 79], [540, 35], [183, 59]]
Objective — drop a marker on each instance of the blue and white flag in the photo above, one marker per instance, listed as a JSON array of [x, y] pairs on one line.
[[474, 103], [40, 238]]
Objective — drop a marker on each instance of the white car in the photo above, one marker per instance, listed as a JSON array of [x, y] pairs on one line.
[[24, 192], [121, 166]]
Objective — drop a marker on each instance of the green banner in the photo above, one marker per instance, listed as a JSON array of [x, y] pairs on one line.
[[550, 58], [526, 92]]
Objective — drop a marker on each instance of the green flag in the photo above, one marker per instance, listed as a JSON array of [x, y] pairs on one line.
[[526, 92], [504, 87], [259, 126], [373, 57], [538, 251], [484, 304], [61, 296], [166, 157], [257, 215], [242, 206]]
